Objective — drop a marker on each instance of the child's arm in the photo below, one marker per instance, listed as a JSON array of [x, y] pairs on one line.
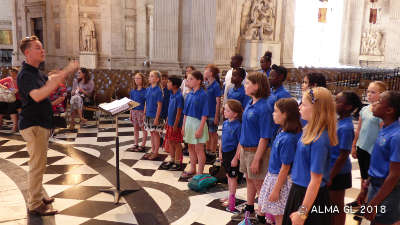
[[387, 187], [144, 111], [199, 131], [236, 158], [159, 107], [217, 109], [357, 133], [220, 151], [177, 118], [340, 161], [255, 164], [183, 126], [282, 176]]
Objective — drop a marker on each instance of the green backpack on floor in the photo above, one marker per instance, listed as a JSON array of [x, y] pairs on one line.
[[201, 182]]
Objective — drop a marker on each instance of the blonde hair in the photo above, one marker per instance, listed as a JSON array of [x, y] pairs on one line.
[[380, 85], [323, 116], [144, 81], [158, 74]]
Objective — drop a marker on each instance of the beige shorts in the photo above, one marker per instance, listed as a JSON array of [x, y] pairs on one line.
[[246, 158]]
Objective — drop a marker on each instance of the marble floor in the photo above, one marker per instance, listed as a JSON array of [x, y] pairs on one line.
[[82, 162]]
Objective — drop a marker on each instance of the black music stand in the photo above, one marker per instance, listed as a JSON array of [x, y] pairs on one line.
[[117, 192]]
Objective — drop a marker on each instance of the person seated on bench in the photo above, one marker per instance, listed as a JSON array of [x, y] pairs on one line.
[[12, 108], [81, 93]]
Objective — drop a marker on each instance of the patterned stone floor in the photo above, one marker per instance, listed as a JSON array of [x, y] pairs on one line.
[[82, 162]]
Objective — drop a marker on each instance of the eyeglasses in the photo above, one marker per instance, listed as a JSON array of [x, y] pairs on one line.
[[311, 93], [30, 38]]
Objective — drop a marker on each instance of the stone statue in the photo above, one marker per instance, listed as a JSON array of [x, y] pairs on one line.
[[258, 20], [371, 43], [87, 32]]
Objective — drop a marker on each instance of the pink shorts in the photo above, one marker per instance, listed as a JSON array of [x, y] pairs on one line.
[[137, 117]]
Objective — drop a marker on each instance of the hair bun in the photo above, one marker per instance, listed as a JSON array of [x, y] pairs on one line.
[[268, 54]]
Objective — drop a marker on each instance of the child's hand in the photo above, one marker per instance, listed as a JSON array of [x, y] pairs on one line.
[[255, 166], [198, 134], [354, 152], [274, 196], [216, 120], [175, 129], [155, 123], [183, 132], [234, 162], [220, 156]]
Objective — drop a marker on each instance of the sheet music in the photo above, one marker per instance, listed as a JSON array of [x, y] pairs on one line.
[[119, 105]]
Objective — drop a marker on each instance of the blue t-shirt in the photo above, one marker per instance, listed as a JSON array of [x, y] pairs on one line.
[[138, 96], [345, 133], [213, 91], [256, 123], [175, 103], [281, 92], [271, 101], [153, 96], [230, 135], [164, 109], [238, 94], [196, 104], [386, 150], [282, 151], [313, 157], [265, 72]]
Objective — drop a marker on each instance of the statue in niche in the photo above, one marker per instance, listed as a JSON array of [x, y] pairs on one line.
[[371, 43], [87, 32], [258, 20]]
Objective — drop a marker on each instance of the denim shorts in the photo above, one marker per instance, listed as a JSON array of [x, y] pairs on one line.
[[388, 212], [211, 126]]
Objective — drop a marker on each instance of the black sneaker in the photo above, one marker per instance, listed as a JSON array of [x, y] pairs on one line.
[[175, 167], [354, 205], [210, 158], [240, 216], [166, 165]]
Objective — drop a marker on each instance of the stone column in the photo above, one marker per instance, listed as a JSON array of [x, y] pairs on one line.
[[166, 32], [16, 52], [287, 32]]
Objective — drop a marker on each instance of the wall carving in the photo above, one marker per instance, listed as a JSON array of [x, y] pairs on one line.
[[87, 35], [258, 20], [372, 43], [130, 37]]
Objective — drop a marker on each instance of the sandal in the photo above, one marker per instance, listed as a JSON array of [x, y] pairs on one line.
[[147, 155], [140, 149], [187, 175], [133, 148], [153, 156]]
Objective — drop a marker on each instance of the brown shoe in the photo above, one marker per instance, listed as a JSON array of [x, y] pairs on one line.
[[48, 200], [43, 210]]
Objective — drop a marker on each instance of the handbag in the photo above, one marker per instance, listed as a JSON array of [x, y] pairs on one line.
[[59, 122], [7, 95]]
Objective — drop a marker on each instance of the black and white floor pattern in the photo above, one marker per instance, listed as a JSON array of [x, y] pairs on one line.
[[82, 161]]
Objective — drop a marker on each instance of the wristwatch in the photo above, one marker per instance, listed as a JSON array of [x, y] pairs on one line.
[[302, 212]]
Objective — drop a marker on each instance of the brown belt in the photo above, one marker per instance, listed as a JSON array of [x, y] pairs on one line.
[[250, 149]]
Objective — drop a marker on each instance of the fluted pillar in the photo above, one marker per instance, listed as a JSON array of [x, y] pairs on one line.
[[166, 32]]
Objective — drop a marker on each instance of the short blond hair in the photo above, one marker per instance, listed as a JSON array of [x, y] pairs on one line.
[[323, 116], [26, 43], [380, 85]]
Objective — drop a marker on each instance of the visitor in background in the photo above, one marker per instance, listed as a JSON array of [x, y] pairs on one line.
[[12, 108]]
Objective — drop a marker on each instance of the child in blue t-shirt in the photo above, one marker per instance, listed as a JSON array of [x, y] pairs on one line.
[[275, 189], [194, 128], [153, 122], [237, 91], [340, 172], [384, 170], [174, 124], [254, 137], [138, 94], [310, 170], [228, 148], [366, 134], [213, 85]]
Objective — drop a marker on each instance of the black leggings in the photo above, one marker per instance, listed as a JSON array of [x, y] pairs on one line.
[[364, 159]]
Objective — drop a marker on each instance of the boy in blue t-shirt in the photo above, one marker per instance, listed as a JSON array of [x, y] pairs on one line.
[[174, 124], [384, 170]]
